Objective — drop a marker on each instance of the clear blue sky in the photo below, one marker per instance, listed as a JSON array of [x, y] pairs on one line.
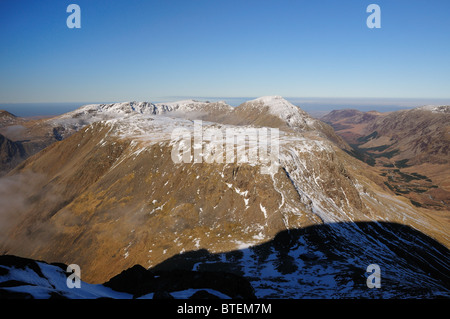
[[148, 50]]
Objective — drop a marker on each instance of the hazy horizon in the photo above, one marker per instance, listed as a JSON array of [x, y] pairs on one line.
[[313, 105]]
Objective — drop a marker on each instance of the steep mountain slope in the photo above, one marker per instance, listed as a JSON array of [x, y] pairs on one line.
[[330, 261], [21, 138], [11, 153], [321, 261], [110, 196]]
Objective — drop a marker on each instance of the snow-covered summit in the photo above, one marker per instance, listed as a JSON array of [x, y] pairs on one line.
[[277, 106], [116, 108], [148, 108], [435, 108], [192, 105], [280, 107]]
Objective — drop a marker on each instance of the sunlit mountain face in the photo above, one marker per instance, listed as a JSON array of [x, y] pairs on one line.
[[111, 186]]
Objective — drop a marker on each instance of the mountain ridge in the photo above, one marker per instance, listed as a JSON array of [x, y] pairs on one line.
[[272, 111], [109, 195], [111, 190]]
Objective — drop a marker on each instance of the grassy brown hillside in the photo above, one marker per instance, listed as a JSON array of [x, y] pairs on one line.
[[107, 199]]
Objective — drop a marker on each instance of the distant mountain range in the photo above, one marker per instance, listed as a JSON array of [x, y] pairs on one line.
[[411, 148]]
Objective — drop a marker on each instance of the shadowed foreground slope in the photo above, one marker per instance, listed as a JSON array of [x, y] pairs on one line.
[[330, 261], [322, 261]]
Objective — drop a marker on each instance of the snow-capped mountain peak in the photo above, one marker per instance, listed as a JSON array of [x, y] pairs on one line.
[[271, 100], [192, 105], [435, 108], [116, 108], [148, 108], [179, 105], [280, 107]]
